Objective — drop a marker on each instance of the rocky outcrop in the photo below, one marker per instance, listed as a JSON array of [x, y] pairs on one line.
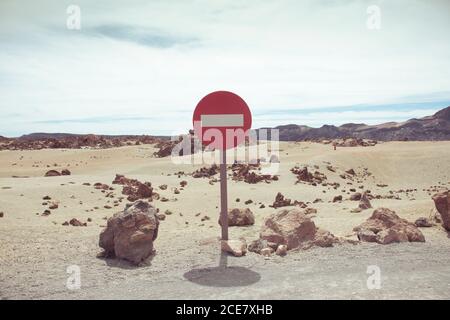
[[385, 226], [442, 203], [130, 234]]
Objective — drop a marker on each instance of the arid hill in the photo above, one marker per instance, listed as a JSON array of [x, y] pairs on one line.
[[36, 141], [435, 127]]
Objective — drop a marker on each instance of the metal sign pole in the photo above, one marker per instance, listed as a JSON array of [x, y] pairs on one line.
[[223, 194]]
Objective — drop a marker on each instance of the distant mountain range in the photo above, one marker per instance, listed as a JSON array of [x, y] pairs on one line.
[[435, 127]]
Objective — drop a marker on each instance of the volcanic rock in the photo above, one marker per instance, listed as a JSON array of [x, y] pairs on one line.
[[206, 172], [364, 202], [281, 201], [237, 248], [134, 189], [423, 222], [355, 196], [281, 250], [76, 223], [295, 230], [240, 217], [52, 173], [442, 203], [388, 228], [130, 234]]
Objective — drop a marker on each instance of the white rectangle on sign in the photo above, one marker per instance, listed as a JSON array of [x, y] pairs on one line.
[[222, 120]]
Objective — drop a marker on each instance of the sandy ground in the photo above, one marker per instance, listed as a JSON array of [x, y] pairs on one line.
[[36, 250]]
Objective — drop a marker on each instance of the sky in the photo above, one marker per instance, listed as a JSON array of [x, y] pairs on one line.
[[140, 67]]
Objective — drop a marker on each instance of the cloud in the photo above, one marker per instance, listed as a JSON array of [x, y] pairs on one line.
[[139, 35], [146, 64]]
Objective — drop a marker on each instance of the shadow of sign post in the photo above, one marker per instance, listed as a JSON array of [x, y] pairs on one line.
[[223, 275]]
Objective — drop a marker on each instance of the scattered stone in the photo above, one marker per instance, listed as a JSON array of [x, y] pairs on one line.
[[248, 201], [183, 183], [281, 250], [266, 252], [442, 203], [52, 173], [101, 186], [246, 173], [53, 205], [134, 189], [168, 212], [423, 222], [65, 172], [206, 172], [130, 234], [356, 196], [2, 214], [240, 217], [163, 187], [310, 210], [237, 248], [46, 198], [303, 175], [337, 198], [161, 216], [388, 228], [364, 202], [356, 210], [77, 223], [46, 212], [281, 201], [350, 172], [257, 245]]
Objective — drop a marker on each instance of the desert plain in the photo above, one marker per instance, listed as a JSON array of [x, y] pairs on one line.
[[36, 250]]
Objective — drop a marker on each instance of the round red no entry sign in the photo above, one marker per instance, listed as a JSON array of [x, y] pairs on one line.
[[222, 120]]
